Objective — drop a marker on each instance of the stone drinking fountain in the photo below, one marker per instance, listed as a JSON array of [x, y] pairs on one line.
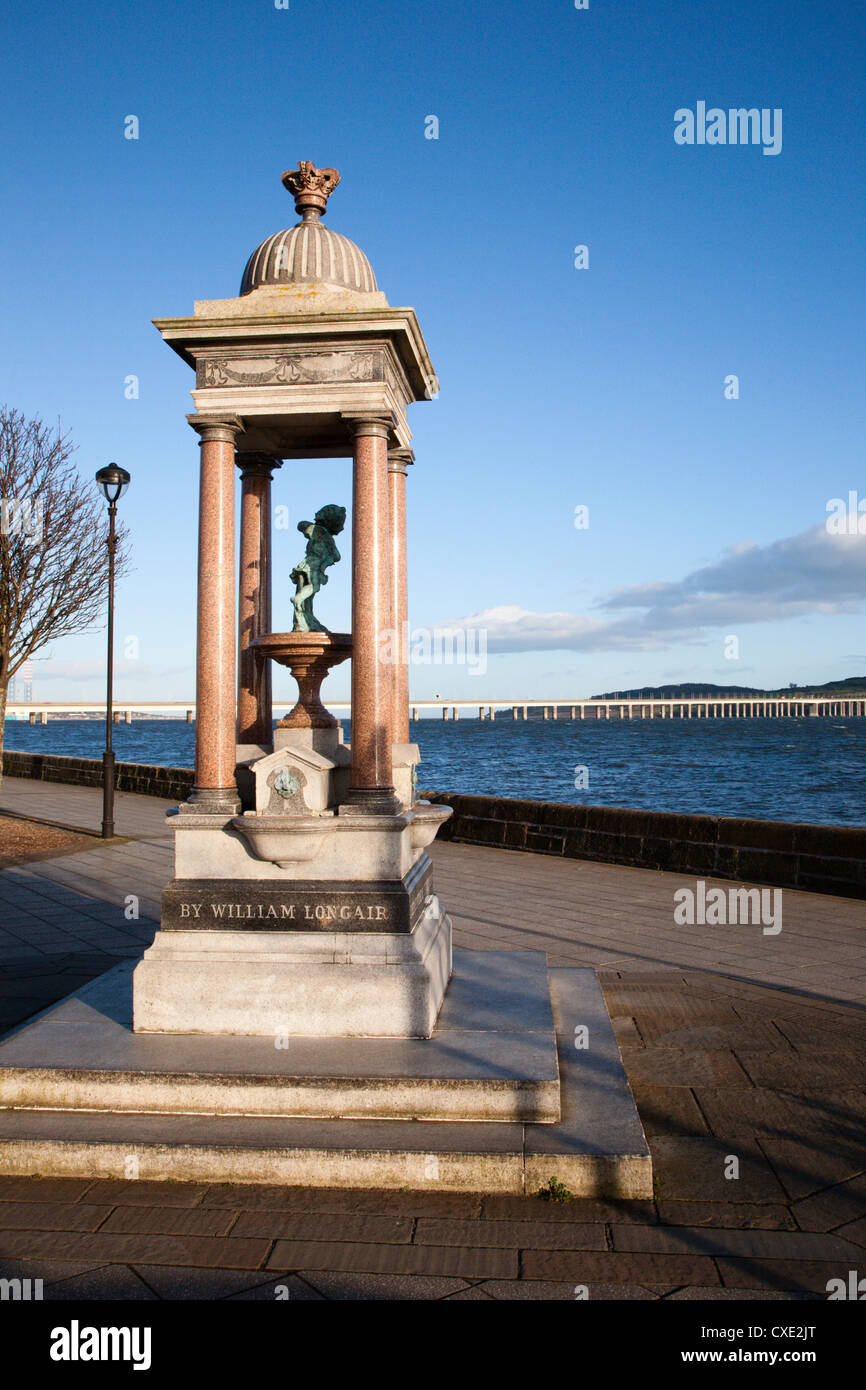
[[299, 1017]]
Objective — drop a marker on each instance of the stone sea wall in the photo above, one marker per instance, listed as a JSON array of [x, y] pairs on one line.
[[820, 858], [169, 782]]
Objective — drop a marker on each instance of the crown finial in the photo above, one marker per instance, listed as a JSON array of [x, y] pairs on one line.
[[311, 188]]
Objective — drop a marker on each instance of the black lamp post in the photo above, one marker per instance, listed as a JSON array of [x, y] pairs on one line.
[[114, 481]]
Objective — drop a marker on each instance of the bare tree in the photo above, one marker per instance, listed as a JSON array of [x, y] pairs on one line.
[[53, 555]]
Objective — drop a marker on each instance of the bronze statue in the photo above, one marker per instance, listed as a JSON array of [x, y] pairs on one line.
[[309, 575]]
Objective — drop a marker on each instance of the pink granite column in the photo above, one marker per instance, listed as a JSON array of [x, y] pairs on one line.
[[398, 462], [371, 784], [214, 788], [255, 712]]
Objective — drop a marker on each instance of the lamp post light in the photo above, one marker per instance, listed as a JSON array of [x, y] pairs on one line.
[[114, 481]]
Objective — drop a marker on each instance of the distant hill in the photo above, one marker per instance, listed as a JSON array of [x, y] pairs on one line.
[[695, 690]]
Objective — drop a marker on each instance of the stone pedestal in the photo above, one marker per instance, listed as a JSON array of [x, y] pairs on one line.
[[291, 918], [319, 983]]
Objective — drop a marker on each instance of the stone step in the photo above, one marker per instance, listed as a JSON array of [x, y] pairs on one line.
[[491, 1058], [596, 1148]]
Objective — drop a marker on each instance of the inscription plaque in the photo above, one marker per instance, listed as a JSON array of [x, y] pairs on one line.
[[262, 905]]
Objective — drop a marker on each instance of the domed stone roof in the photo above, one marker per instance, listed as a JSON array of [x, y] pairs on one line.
[[309, 253]]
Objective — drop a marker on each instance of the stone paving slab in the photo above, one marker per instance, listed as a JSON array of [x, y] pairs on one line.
[[669, 1110], [334, 1200], [361, 1227], [463, 1261], [834, 1205], [540, 1235], [726, 1215], [854, 1231], [134, 1248], [586, 1267], [750, 1243], [696, 1168], [115, 1282], [380, 1287], [790, 1276]]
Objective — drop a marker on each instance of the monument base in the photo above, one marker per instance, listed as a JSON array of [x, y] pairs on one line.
[[275, 984], [489, 1104]]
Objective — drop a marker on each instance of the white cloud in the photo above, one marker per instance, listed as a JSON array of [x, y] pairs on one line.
[[812, 573]]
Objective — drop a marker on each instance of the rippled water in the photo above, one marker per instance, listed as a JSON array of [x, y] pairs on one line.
[[775, 769]]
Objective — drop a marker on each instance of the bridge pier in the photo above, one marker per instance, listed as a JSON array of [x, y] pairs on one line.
[[786, 708]]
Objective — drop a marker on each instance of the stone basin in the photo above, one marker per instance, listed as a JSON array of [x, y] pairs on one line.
[[425, 822], [309, 656], [284, 840]]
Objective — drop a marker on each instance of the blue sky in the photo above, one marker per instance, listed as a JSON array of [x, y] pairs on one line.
[[561, 387]]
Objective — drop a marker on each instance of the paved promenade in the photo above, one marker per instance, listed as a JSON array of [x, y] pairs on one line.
[[746, 1052]]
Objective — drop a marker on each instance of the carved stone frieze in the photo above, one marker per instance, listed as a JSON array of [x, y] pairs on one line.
[[287, 369]]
